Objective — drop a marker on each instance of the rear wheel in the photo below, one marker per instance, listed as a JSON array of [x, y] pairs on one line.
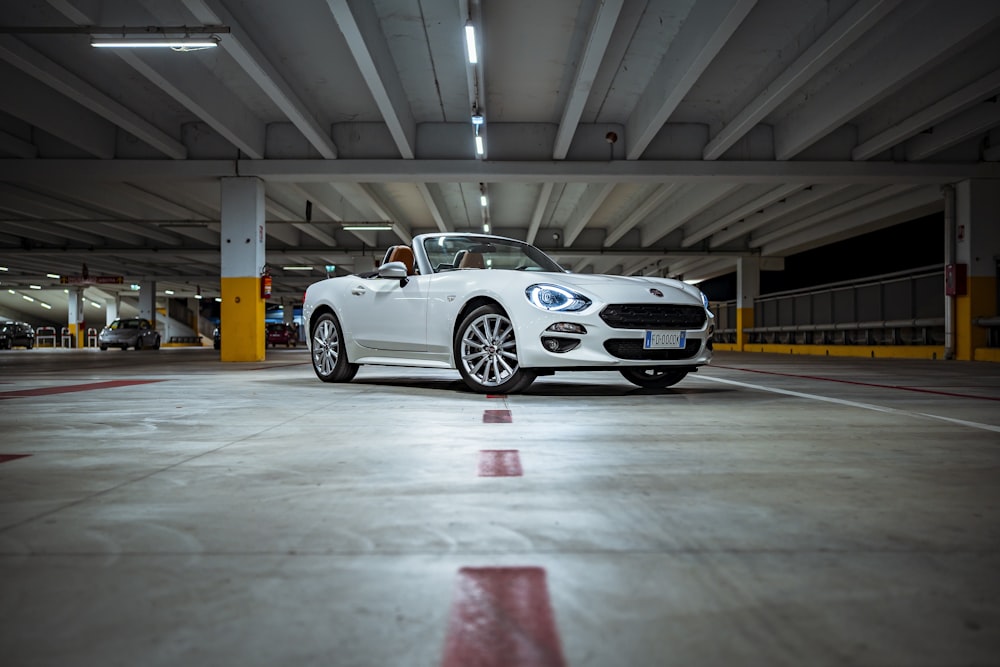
[[329, 358], [486, 353], [138, 343], [654, 377], [156, 343]]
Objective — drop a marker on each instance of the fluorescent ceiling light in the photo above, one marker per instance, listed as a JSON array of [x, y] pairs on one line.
[[470, 42], [168, 291], [52, 275], [45, 305], [483, 201], [27, 298], [3, 268], [366, 226], [34, 287], [480, 148], [177, 43], [297, 268]]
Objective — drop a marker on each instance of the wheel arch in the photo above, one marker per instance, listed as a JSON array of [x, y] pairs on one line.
[[470, 306]]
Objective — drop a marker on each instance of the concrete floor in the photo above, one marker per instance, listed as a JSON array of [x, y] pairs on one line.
[[768, 510]]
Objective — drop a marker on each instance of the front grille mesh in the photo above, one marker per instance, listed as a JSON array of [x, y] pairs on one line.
[[631, 348], [653, 316]]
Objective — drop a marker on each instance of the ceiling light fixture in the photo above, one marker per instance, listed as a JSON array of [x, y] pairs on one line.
[[297, 268], [175, 43], [470, 42], [480, 147], [366, 226]]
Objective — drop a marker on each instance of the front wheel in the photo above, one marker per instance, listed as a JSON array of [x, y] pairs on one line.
[[654, 377], [329, 358], [486, 353]]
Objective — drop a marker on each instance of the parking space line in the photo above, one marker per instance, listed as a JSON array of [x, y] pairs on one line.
[[856, 404], [860, 384], [45, 391], [499, 463], [497, 417], [501, 616]]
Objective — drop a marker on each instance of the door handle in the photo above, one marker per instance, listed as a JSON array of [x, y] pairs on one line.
[[358, 291]]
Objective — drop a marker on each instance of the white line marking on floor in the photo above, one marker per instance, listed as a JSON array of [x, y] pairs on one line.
[[855, 404]]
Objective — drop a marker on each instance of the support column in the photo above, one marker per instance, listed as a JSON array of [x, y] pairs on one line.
[[147, 300], [977, 247], [747, 290], [242, 316], [75, 317], [111, 308]]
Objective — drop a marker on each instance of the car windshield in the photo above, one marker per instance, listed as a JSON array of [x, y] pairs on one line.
[[452, 253], [125, 324]]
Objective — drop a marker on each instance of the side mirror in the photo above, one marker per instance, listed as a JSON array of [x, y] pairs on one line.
[[395, 270]]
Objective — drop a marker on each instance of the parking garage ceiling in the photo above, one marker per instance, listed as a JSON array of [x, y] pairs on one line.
[[665, 137]]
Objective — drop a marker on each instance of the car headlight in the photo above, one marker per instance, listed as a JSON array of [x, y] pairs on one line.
[[553, 297]]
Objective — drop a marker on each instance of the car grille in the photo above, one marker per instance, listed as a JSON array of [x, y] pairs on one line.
[[653, 316], [631, 348]]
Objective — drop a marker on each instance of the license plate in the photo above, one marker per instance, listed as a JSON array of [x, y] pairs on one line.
[[664, 340]]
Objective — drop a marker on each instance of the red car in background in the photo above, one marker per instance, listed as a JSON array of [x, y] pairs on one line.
[[279, 333]]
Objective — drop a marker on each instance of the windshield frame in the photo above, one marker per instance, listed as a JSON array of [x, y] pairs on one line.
[[435, 253]]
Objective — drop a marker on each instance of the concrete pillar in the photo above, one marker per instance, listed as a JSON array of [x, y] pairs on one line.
[[111, 308], [75, 317], [747, 289], [242, 317], [977, 247], [147, 300]]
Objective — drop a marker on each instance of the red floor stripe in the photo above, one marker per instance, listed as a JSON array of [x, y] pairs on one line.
[[497, 417], [499, 463], [860, 384], [10, 457], [496, 395], [501, 617], [45, 391]]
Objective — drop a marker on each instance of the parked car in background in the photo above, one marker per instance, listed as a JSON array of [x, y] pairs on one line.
[[279, 333], [16, 334], [136, 332]]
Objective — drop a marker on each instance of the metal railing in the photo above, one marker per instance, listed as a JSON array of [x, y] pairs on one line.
[[903, 308]]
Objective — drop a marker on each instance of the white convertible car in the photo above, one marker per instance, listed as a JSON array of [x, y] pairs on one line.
[[502, 312]]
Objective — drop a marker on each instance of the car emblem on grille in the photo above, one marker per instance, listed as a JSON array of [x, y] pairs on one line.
[[655, 292]]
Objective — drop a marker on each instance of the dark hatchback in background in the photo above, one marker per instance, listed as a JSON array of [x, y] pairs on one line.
[[16, 334], [279, 333]]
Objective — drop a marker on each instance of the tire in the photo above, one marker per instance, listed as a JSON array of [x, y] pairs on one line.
[[104, 348], [329, 358], [156, 343], [138, 343], [653, 377], [124, 347], [30, 344], [486, 353]]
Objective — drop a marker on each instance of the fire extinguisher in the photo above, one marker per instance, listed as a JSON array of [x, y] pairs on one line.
[[265, 283]]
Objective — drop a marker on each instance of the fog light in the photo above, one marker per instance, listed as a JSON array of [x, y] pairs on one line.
[[568, 327], [559, 345]]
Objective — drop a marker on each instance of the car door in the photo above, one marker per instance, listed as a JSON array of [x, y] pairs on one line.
[[386, 313]]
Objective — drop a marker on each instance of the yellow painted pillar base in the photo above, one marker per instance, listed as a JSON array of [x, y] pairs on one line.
[[242, 320], [744, 321], [77, 333], [979, 301]]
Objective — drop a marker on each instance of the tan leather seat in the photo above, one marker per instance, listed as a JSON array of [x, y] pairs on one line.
[[401, 253], [472, 260]]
